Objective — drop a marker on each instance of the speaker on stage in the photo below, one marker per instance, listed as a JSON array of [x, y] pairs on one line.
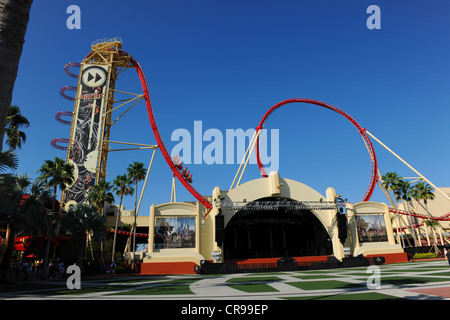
[[220, 229], [342, 226]]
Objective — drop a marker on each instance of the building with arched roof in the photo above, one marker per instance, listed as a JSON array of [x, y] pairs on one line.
[[263, 220]]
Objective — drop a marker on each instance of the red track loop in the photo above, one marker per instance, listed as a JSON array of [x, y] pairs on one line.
[[55, 144], [67, 88], [63, 113], [362, 132], [175, 169], [69, 65]]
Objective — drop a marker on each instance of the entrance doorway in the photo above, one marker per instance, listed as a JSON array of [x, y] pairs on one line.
[[274, 231]]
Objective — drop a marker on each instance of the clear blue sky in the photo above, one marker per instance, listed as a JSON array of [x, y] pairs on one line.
[[225, 63]]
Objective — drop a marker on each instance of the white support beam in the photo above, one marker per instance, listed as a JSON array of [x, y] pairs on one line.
[[409, 166]]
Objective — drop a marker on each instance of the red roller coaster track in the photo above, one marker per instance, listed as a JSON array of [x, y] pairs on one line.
[[55, 143], [63, 94], [368, 143], [175, 168], [61, 114], [69, 65], [445, 217]]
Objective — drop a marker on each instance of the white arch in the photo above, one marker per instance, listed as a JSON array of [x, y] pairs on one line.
[[274, 186]]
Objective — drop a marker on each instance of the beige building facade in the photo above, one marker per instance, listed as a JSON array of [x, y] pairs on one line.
[[262, 220]]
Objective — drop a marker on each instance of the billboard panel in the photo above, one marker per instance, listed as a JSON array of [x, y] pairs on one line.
[[175, 232], [371, 227], [83, 151]]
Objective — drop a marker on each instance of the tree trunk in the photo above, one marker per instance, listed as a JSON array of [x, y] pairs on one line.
[[47, 249], [115, 230], [102, 241], [49, 236], [436, 249], [14, 16], [6, 262], [134, 229], [402, 241], [81, 251], [413, 231]]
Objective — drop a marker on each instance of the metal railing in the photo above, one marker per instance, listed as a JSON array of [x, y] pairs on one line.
[[106, 40]]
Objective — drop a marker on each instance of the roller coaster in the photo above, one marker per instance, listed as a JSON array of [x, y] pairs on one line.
[[112, 47]]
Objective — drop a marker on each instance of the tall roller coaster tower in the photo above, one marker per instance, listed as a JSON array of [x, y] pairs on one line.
[[88, 144]]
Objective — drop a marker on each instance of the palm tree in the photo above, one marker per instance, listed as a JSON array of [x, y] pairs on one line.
[[55, 174], [81, 219], [37, 206], [15, 120], [136, 172], [433, 224], [14, 16], [423, 191], [25, 208], [390, 180], [122, 188], [403, 191], [8, 161], [99, 195]]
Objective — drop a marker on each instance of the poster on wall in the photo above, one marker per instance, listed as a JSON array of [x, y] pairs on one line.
[[84, 149], [371, 227], [174, 232]]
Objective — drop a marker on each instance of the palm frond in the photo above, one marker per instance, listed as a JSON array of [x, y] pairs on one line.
[[8, 160]]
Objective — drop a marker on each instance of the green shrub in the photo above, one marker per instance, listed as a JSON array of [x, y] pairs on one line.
[[424, 255]]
